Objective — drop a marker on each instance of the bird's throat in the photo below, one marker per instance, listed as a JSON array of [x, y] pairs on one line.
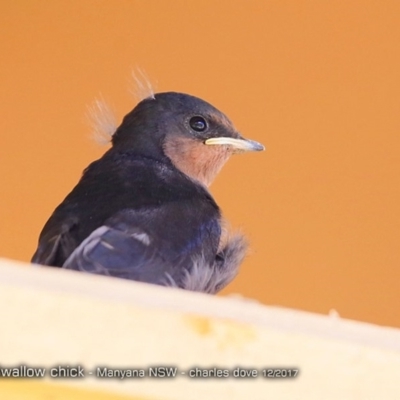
[[192, 157]]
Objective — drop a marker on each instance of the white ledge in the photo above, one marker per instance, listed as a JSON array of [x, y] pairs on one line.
[[52, 317]]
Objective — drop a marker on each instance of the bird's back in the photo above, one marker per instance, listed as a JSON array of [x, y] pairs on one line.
[[124, 192]]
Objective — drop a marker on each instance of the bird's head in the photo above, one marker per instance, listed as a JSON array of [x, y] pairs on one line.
[[196, 137]]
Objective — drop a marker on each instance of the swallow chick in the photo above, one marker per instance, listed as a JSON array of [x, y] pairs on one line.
[[143, 211]]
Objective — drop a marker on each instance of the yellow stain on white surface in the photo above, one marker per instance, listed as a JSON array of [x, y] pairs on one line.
[[226, 333]]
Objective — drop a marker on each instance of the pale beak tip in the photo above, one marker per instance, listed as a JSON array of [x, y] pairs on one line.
[[257, 146]]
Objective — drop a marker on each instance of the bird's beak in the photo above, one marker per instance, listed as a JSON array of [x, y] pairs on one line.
[[239, 145]]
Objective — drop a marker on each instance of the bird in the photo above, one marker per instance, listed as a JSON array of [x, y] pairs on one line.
[[143, 211]]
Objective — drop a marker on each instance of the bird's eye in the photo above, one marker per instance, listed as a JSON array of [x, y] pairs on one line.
[[198, 124]]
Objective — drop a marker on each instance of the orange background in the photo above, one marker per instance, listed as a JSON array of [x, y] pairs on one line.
[[317, 82]]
